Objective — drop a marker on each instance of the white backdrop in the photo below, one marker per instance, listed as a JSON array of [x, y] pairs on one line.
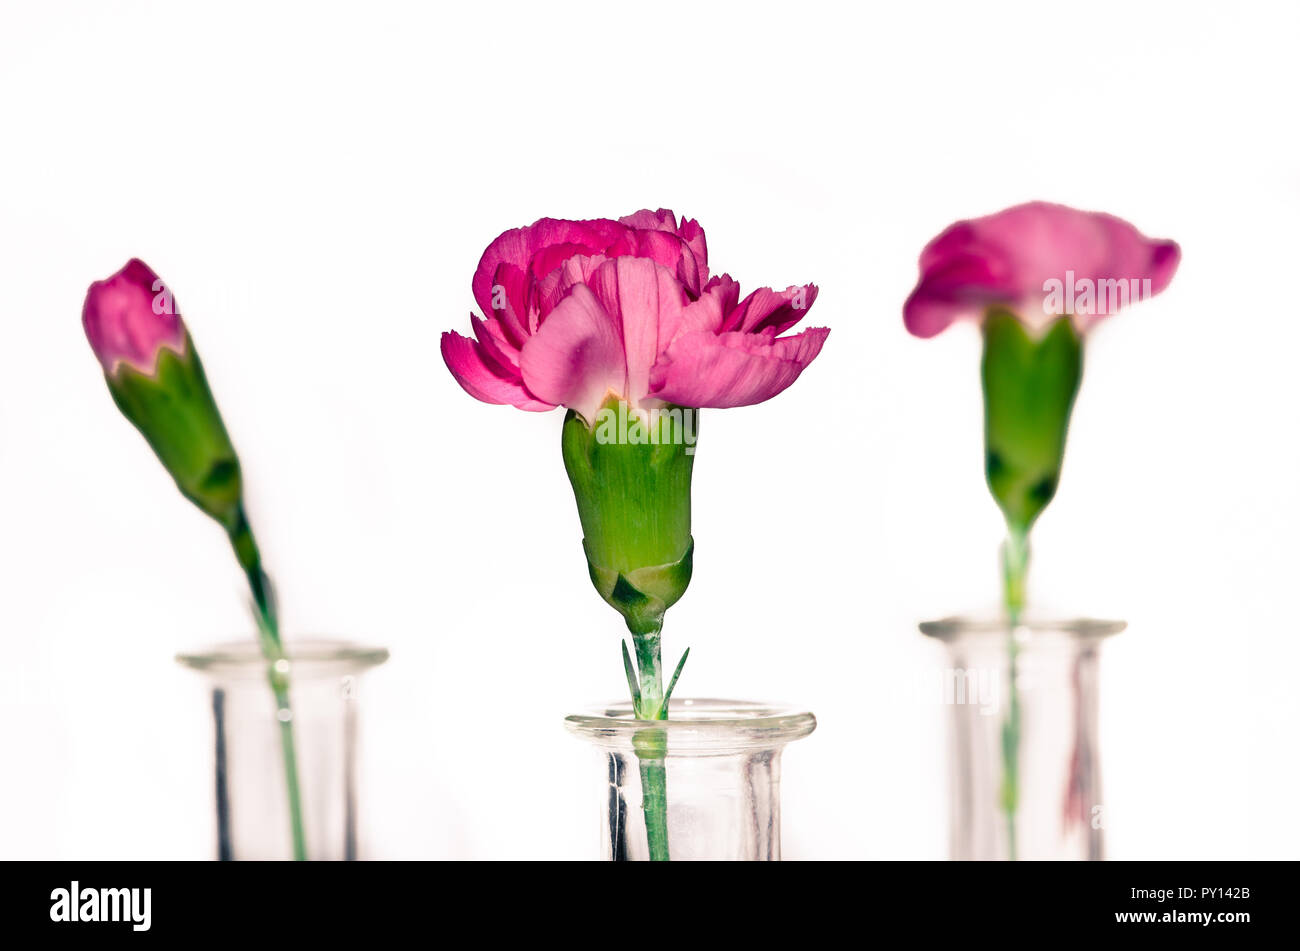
[[316, 184]]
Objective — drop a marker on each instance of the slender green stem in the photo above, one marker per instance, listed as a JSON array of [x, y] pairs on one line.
[[1011, 750], [650, 667], [1015, 565], [654, 800], [241, 538], [652, 745], [284, 714]]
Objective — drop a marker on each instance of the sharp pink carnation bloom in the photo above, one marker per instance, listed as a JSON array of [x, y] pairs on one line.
[[130, 317], [578, 310], [1011, 258]]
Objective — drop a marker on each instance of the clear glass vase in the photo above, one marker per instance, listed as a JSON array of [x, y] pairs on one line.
[[252, 789], [1024, 771], [703, 784]]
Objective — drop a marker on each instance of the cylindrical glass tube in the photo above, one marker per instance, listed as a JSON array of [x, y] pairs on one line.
[[1024, 769], [703, 784], [251, 791]]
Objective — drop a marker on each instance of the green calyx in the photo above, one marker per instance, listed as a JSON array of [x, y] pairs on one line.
[[1030, 382], [643, 595], [175, 412], [631, 477]]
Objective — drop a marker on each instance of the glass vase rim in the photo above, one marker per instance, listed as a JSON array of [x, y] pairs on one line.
[[962, 626], [696, 725], [307, 656]]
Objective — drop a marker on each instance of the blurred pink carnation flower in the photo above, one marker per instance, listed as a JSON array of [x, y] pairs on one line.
[[1039, 261]]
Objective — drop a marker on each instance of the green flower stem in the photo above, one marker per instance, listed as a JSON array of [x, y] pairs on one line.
[[241, 538], [652, 745], [1015, 564], [654, 792], [280, 687], [651, 680]]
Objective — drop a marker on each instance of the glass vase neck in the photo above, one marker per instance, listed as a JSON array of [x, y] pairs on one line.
[[693, 726], [1029, 628], [309, 657]]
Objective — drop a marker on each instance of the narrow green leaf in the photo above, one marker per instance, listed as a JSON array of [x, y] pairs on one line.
[[631, 679], [676, 673]]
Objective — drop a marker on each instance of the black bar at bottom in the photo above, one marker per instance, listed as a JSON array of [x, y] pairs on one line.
[[1182, 900]]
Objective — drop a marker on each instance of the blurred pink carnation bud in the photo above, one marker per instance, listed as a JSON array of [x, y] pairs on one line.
[[130, 317]]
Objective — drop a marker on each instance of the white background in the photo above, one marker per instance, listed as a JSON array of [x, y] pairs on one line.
[[316, 184]]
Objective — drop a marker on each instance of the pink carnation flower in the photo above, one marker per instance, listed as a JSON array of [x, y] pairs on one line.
[[578, 311]]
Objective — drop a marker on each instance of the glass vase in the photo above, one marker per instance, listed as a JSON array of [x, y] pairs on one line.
[[1024, 771], [252, 789], [703, 784]]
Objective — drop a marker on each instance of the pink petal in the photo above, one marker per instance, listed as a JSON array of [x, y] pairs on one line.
[[499, 351], [640, 295], [484, 380], [709, 312], [732, 369], [508, 302], [659, 246], [552, 288], [646, 220], [518, 247], [688, 254], [727, 289], [549, 259], [691, 233], [576, 357], [772, 312], [962, 286]]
